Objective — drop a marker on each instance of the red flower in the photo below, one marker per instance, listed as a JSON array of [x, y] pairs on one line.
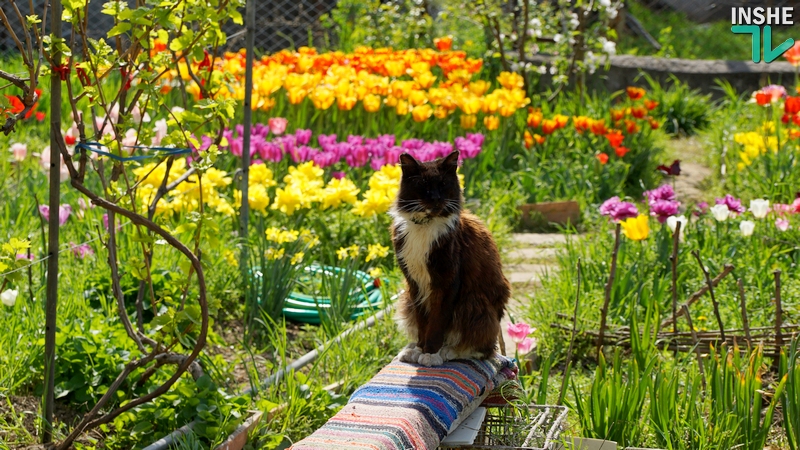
[[599, 127], [785, 118], [631, 127], [603, 158], [796, 120], [617, 114], [70, 140], [673, 169], [615, 138], [16, 104], [638, 112], [792, 105], [635, 93], [621, 151], [650, 104], [40, 116], [653, 123], [443, 44], [763, 98]]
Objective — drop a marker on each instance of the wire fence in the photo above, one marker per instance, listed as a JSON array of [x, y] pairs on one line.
[[280, 24]]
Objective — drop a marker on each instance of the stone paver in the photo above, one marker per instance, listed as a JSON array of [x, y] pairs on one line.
[[529, 253], [539, 239]]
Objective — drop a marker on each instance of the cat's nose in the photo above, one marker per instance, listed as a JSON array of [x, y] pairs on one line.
[[435, 195]]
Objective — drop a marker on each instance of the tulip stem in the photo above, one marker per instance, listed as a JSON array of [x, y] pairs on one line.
[[612, 272]]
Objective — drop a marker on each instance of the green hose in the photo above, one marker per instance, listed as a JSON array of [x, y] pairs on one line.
[[306, 308]]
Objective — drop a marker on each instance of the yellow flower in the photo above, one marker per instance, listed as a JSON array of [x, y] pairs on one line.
[[636, 228], [297, 258], [322, 97], [425, 80], [281, 236], [346, 102], [309, 238], [288, 200], [375, 251], [339, 191], [344, 252], [376, 272], [257, 197], [479, 87], [273, 254], [402, 108], [372, 103], [417, 98], [510, 80], [230, 258], [421, 113], [440, 112], [491, 122], [296, 95], [468, 121], [261, 174]]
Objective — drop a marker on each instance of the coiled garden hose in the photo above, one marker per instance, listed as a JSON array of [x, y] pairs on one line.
[[306, 308]]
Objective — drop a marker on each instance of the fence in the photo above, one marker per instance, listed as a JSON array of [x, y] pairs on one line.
[[279, 24]]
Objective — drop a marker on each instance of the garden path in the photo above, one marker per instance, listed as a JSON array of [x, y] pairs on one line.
[[695, 179], [532, 255]]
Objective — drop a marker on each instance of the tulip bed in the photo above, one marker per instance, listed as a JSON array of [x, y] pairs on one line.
[[329, 129]]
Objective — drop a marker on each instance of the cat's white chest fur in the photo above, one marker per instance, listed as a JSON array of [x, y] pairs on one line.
[[417, 243]]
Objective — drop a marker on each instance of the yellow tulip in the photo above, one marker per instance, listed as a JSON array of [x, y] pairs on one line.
[[491, 122], [322, 97], [372, 103], [636, 228], [440, 112], [510, 80], [296, 95], [468, 121], [346, 102], [425, 80], [422, 113], [479, 87], [402, 108], [417, 98]]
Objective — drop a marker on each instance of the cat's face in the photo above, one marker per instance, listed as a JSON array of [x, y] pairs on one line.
[[431, 189]]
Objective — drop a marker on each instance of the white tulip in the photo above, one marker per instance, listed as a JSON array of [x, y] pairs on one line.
[[747, 227], [9, 297], [672, 223], [720, 212], [759, 208]]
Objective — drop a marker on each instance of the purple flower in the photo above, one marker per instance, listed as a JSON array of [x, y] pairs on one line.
[[64, 212], [733, 203], [476, 138], [105, 221], [303, 137], [355, 140], [663, 192], [81, 251], [468, 148], [302, 153], [325, 159], [663, 209], [326, 140], [357, 157], [701, 209], [377, 163], [338, 175], [608, 206]]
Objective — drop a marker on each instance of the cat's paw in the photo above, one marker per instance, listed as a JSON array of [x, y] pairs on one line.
[[430, 359], [448, 353], [410, 354]]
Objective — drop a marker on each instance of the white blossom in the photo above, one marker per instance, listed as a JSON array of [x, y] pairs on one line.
[[720, 212], [9, 297], [747, 227], [759, 208]]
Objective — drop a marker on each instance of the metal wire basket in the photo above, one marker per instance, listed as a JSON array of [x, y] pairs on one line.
[[506, 426]]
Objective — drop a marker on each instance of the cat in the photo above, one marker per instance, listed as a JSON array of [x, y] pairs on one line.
[[456, 292]]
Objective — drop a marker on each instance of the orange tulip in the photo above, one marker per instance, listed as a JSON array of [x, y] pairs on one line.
[[639, 112], [346, 102], [635, 93], [491, 122], [444, 43], [534, 119], [582, 123], [598, 127], [650, 104], [615, 138], [621, 151], [528, 139], [793, 54], [440, 112], [468, 121], [548, 126], [603, 158], [631, 127], [561, 120], [421, 113]]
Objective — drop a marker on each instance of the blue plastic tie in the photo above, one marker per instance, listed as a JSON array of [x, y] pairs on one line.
[[162, 151]]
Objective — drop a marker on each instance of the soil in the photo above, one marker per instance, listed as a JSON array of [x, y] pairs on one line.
[[21, 413]]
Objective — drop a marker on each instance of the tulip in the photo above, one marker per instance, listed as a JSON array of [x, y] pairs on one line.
[[444, 43], [782, 224], [422, 113], [468, 121], [759, 208], [732, 203], [621, 151], [526, 345], [747, 227], [491, 122], [603, 158], [635, 93], [720, 212], [372, 103], [519, 331], [19, 151], [672, 223], [9, 297], [636, 228], [615, 138], [662, 209], [277, 125]]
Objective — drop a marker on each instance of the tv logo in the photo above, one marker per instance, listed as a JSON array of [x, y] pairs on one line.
[[752, 20]]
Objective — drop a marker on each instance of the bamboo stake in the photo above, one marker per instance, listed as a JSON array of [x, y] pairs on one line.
[[571, 338], [607, 297], [745, 322], [51, 305], [694, 341], [711, 293], [778, 309], [244, 211]]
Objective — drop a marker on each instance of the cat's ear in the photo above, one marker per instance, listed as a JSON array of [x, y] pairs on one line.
[[451, 161], [409, 165]]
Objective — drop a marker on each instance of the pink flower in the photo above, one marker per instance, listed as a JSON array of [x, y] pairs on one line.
[[160, 132], [338, 175], [63, 213], [81, 251], [782, 224], [526, 345], [19, 151], [519, 331], [24, 256], [277, 125], [105, 221], [795, 207]]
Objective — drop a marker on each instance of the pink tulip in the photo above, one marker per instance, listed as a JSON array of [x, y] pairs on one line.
[[63, 213], [81, 251], [19, 151], [782, 224], [526, 345], [24, 256], [105, 221], [519, 331], [277, 125]]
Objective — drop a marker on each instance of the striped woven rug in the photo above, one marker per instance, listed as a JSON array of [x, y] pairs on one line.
[[407, 406]]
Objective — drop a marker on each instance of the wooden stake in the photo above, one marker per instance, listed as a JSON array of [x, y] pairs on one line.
[[778, 310], [701, 292], [674, 260], [745, 322]]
